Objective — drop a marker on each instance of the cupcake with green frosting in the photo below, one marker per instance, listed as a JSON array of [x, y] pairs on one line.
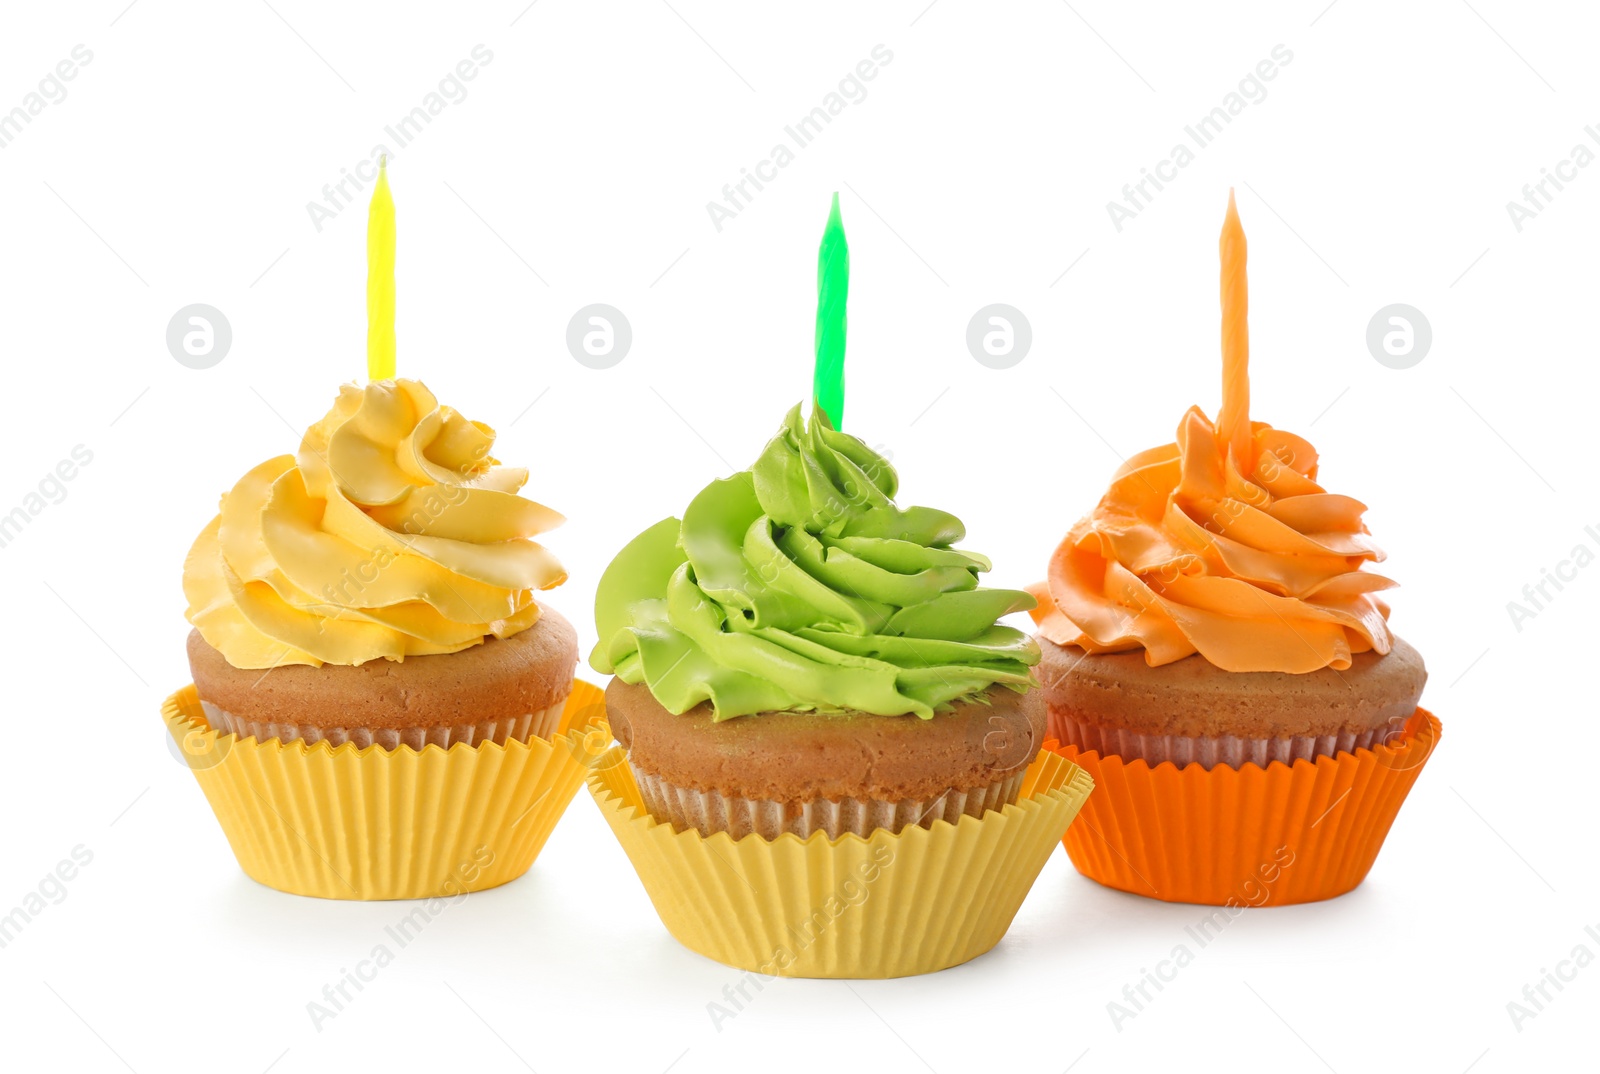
[[830, 758], [798, 653]]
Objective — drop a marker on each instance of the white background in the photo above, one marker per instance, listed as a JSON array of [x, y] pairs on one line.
[[976, 170]]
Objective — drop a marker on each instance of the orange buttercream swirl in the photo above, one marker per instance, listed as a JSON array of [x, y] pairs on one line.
[[1255, 571]]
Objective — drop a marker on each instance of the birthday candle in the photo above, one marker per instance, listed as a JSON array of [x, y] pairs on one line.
[[1233, 419], [833, 287], [380, 279]]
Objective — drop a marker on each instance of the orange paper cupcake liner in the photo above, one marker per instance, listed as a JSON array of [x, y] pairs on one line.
[[1248, 836], [348, 822], [885, 905]]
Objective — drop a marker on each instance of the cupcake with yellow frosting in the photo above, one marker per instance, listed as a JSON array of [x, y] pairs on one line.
[[377, 692], [378, 587], [1214, 651]]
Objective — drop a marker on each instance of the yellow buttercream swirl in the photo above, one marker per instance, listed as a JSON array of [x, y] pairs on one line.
[[392, 533], [1248, 562]]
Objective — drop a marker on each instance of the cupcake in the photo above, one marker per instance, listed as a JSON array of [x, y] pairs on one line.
[[799, 654], [1215, 651], [814, 699], [379, 700], [380, 707]]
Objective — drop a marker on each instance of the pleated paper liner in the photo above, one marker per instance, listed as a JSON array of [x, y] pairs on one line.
[[1209, 750], [709, 811], [889, 905], [344, 822], [1248, 836], [541, 724]]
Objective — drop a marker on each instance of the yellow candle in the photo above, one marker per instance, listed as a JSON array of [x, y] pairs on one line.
[[380, 279], [1233, 419]]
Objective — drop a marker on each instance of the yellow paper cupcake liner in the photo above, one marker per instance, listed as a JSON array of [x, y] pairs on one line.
[[342, 822], [883, 906]]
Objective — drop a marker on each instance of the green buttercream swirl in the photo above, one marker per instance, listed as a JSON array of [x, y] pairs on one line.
[[798, 585]]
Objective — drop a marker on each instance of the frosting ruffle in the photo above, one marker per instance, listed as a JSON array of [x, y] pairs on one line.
[[1255, 571], [799, 585], [392, 533]]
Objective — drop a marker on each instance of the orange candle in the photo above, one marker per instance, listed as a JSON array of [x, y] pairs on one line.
[[1233, 419]]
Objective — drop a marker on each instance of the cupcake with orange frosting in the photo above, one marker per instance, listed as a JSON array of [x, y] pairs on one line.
[[1215, 652]]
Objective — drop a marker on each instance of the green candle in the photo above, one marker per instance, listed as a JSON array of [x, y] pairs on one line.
[[833, 288]]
